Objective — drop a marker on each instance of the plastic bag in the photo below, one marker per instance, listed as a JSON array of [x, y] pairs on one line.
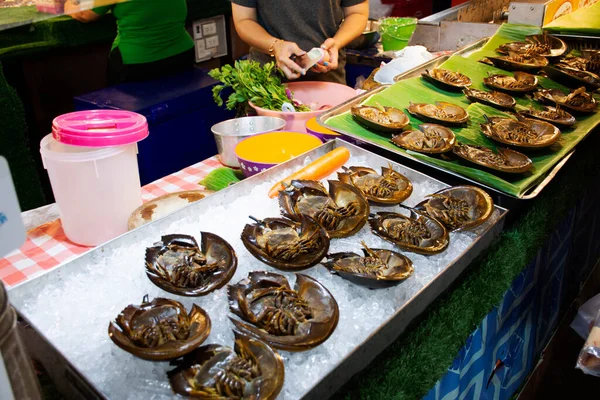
[[405, 59], [586, 315], [589, 357], [359, 82]]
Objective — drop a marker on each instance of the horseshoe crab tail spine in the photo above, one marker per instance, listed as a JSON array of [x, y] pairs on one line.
[[368, 250], [258, 221]]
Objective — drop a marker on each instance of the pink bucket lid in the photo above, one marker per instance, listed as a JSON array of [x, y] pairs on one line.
[[99, 128]]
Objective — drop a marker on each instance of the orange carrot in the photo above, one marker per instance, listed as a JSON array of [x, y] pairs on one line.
[[321, 168]]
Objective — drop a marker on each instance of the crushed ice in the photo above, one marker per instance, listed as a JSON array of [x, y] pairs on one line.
[[74, 313]]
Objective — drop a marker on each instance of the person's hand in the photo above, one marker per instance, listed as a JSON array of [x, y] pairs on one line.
[[330, 60], [282, 51]]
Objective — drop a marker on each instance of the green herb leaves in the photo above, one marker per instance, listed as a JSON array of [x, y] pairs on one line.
[[251, 81]]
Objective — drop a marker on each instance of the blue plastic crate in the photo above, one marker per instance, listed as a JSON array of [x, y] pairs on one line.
[[180, 112]]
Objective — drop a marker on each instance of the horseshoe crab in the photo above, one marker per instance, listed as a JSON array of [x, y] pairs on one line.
[[572, 77], [522, 48], [418, 232], [251, 370], [441, 112], [342, 212], [288, 319], [495, 99], [428, 139], [547, 45], [459, 207], [176, 264], [160, 329], [541, 45], [578, 100], [521, 82], [592, 58], [524, 132], [517, 62], [375, 268], [553, 115], [505, 160], [383, 119], [391, 187], [573, 62], [447, 79], [285, 244]]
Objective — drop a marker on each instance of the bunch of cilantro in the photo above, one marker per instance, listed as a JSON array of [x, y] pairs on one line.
[[251, 81]]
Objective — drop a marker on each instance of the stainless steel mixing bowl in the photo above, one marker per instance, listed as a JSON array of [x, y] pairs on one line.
[[229, 133]]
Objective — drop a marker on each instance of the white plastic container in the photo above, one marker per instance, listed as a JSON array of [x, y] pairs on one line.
[[96, 188]]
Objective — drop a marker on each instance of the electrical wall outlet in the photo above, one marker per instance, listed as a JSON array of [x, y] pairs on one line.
[[210, 35], [209, 29], [212, 42]]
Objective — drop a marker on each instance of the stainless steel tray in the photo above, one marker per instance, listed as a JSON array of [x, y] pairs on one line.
[[69, 308], [415, 72]]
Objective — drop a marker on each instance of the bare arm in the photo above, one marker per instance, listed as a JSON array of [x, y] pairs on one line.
[[250, 31], [355, 21], [74, 10]]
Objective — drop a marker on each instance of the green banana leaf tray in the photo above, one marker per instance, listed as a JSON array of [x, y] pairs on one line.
[[410, 87]]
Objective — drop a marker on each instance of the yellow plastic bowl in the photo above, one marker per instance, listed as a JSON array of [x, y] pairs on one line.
[[315, 129], [258, 153]]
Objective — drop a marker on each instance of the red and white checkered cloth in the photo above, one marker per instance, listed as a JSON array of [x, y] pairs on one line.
[[47, 246]]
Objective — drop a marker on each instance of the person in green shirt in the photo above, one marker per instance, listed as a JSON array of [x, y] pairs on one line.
[[151, 41]]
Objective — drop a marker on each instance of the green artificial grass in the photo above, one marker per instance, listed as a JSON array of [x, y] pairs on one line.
[[13, 146], [412, 365]]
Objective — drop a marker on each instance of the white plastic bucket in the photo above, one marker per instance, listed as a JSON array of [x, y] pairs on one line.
[[96, 189]]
